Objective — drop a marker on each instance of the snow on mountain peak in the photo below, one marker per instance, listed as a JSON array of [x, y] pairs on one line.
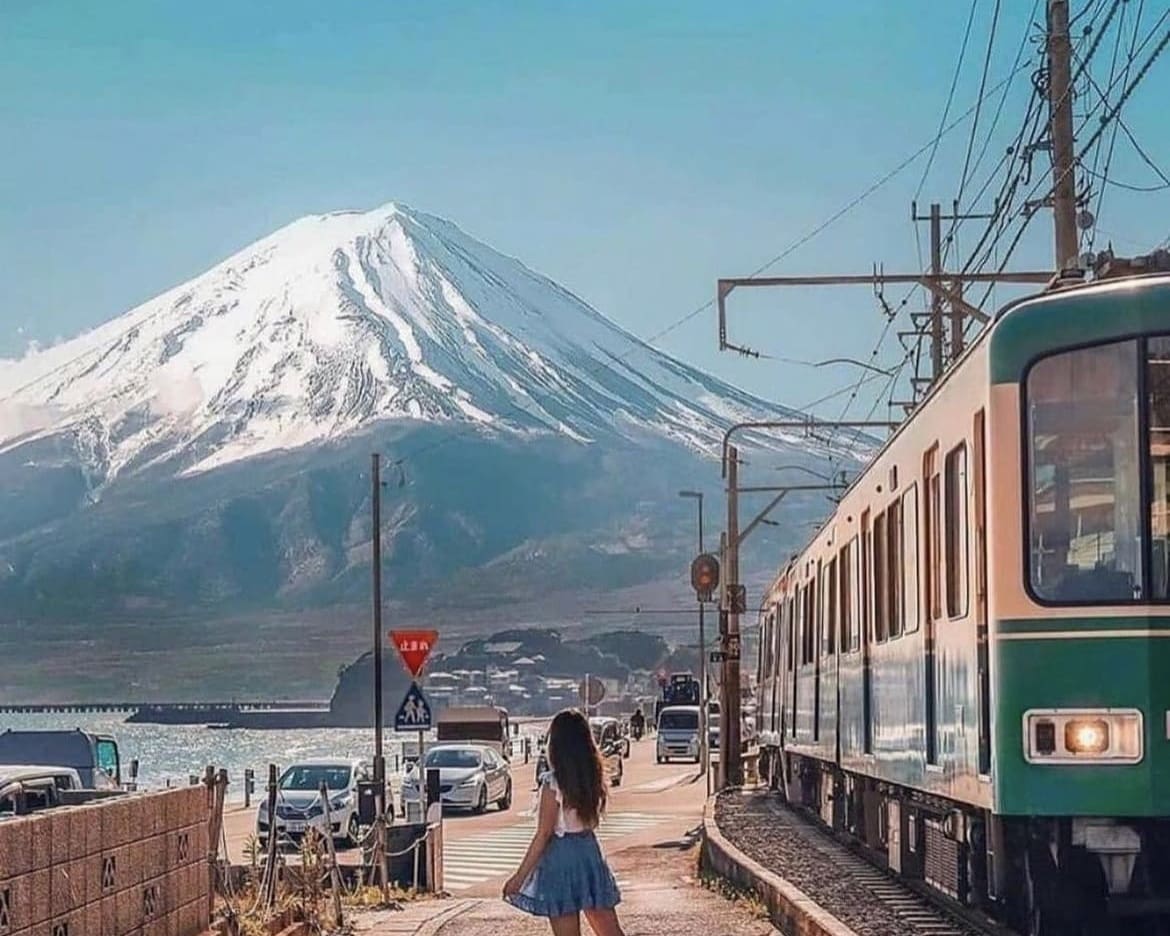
[[341, 319]]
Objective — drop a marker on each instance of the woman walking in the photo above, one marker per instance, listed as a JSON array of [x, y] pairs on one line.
[[564, 874]]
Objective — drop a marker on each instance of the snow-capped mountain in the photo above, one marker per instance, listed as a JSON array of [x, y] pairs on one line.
[[341, 320], [206, 456]]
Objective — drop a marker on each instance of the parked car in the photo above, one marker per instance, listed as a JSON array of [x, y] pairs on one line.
[[678, 733], [299, 806], [470, 776], [26, 788]]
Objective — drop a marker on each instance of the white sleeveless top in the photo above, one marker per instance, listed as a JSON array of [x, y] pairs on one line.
[[568, 821]]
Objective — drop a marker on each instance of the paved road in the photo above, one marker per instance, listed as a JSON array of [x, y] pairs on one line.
[[481, 851], [651, 844]]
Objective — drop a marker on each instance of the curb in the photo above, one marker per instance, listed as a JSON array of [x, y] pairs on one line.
[[790, 908]]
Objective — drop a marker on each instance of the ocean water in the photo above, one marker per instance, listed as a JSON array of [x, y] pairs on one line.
[[169, 754]]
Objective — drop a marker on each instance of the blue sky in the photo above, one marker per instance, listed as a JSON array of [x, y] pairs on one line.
[[633, 151]]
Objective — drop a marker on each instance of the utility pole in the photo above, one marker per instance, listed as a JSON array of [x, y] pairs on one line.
[[379, 757], [1060, 99], [936, 303], [376, 505], [730, 749], [940, 355]]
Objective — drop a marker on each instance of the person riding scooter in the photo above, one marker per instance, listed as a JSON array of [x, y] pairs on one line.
[[637, 724]]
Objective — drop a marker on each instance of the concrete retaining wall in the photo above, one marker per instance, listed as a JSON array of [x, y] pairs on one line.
[[131, 866], [790, 908]]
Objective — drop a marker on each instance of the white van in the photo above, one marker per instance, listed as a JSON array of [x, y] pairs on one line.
[[678, 733]]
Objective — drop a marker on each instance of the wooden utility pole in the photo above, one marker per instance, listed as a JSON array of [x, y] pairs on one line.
[[1060, 99], [379, 756], [376, 563]]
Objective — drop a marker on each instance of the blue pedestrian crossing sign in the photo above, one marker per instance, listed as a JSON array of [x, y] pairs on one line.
[[414, 714]]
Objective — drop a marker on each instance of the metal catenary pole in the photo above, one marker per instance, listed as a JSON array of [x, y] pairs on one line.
[[704, 694], [730, 752]]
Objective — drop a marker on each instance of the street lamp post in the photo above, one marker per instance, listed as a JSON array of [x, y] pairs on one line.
[[704, 747]]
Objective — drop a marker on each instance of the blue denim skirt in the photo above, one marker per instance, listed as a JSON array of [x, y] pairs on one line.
[[572, 875]]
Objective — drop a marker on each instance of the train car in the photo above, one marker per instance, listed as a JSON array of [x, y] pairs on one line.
[[967, 669]]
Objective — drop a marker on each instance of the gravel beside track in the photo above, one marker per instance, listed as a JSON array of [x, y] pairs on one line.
[[864, 898]]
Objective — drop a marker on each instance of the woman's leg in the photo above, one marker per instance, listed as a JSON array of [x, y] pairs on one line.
[[604, 922], [569, 925]]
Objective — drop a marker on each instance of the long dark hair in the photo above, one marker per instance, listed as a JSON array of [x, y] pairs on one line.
[[576, 763]]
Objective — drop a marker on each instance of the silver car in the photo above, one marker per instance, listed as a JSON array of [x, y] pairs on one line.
[[470, 777]]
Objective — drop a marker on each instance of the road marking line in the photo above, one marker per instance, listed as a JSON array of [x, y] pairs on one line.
[[488, 856]]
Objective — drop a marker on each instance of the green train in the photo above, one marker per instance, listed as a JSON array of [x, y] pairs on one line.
[[968, 668]]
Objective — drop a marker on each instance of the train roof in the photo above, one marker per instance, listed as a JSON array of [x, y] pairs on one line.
[[1087, 297]]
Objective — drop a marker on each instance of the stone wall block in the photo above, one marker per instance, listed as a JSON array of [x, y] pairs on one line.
[[42, 842], [62, 890], [139, 821], [109, 916], [154, 856], [63, 846], [155, 814], [16, 855], [20, 902], [188, 920], [91, 816], [129, 908]]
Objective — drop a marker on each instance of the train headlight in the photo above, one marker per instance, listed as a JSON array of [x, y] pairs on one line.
[[1083, 736]]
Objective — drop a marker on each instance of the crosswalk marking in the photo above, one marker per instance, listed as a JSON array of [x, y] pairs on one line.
[[663, 784], [479, 858]]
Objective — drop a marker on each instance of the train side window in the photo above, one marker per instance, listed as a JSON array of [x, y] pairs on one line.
[[956, 530], [866, 577], [894, 579], [829, 610], [910, 597], [881, 576], [934, 573], [848, 615], [791, 631], [806, 630]]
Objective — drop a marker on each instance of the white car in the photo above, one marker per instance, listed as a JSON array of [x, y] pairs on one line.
[[299, 806], [470, 776]]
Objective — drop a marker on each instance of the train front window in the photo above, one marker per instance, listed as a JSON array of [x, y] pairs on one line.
[[1085, 475]]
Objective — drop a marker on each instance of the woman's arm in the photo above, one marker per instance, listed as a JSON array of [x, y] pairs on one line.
[[546, 823]]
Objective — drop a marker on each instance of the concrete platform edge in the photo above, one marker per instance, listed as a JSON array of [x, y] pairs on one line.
[[793, 911]]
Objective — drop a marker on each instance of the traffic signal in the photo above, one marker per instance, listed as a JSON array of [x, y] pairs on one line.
[[705, 576]]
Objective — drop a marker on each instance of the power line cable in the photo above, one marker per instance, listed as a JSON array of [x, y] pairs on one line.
[[950, 98], [978, 107]]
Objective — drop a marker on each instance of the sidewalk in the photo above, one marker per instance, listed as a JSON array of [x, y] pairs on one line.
[[665, 897]]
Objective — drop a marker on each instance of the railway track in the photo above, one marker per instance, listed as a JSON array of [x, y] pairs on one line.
[[840, 877]]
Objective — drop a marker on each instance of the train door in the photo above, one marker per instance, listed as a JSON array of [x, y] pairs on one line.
[[866, 617], [932, 484], [981, 595]]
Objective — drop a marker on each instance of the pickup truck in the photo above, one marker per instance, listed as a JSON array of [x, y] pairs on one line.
[[26, 788]]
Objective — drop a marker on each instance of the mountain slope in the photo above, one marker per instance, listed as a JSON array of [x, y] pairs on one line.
[[339, 320], [204, 460]]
